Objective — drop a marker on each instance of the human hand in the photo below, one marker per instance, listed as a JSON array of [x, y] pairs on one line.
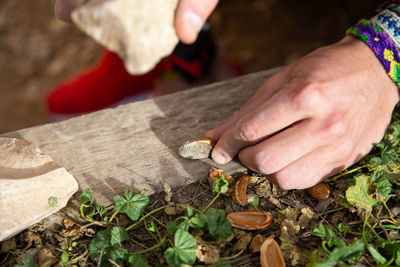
[[313, 118]]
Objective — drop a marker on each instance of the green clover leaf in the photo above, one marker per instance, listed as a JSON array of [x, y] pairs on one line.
[[172, 227], [132, 205], [220, 185], [184, 250], [382, 183], [86, 197], [346, 253], [53, 202], [118, 235], [137, 261], [198, 221], [358, 195], [217, 224], [27, 262], [99, 245], [328, 235], [108, 244]]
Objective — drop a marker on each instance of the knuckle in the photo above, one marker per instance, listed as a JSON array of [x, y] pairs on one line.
[[308, 97], [285, 180], [344, 149], [235, 115], [335, 127], [265, 163], [246, 132]]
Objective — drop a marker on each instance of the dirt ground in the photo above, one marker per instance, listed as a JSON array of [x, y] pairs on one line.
[[37, 51], [44, 242]]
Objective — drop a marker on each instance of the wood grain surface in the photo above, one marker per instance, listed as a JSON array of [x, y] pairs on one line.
[[136, 145]]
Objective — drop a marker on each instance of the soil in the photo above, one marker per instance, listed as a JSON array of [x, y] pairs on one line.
[[295, 214], [287, 208], [38, 51]]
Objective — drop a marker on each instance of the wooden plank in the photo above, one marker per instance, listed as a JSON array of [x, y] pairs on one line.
[[135, 145]]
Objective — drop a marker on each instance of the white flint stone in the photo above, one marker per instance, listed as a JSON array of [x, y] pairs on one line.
[[141, 32], [28, 179]]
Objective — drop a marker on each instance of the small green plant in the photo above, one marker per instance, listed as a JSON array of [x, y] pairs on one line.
[[27, 262], [371, 184], [69, 247], [178, 242], [53, 202]]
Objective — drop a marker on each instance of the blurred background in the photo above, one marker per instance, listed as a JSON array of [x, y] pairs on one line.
[[38, 51]]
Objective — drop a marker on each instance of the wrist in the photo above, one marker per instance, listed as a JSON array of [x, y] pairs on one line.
[[359, 51], [380, 44]]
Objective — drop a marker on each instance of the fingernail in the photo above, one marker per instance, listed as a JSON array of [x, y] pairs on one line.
[[194, 21], [218, 158]]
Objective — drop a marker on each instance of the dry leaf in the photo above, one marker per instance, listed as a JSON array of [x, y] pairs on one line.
[[306, 216], [46, 258], [256, 243], [242, 242], [167, 190], [238, 233], [73, 234], [266, 189], [72, 229], [319, 191], [240, 190], [209, 254], [69, 223], [250, 220], [176, 209], [199, 148], [8, 245], [290, 213], [271, 255], [31, 237], [324, 204]]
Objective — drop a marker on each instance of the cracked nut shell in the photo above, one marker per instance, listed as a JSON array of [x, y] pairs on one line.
[[250, 220], [270, 254], [239, 192], [319, 191], [256, 243]]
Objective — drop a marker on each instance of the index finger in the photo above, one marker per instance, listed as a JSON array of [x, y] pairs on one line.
[[267, 89], [270, 117]]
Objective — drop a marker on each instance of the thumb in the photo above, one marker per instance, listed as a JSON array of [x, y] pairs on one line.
[[64, 8], [190, 17]]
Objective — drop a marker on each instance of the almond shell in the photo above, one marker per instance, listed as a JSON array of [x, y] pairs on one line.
[[270, 254], [239, 192], [250, 220], [256, 243]]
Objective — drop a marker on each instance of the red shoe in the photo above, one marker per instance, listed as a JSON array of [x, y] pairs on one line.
[[99, 87]]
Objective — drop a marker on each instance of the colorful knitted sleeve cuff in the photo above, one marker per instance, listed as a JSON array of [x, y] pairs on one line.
[[381, 44]]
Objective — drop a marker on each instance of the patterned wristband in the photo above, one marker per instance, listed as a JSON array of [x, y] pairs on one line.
[[389, 22], [379, 42]]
